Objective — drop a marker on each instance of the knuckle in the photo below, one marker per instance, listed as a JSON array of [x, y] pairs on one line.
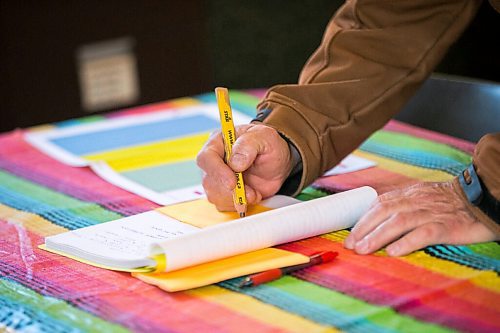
[[271, 133], [205, 182], [429, 232], [264, 130], [214, 135], [200, 158], [382, 206], [401, 218]]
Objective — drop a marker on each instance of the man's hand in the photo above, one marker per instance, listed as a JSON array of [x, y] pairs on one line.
[[259, 151], [415, 217]]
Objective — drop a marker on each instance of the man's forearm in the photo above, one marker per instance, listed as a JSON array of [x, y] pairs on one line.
[[373, 57]]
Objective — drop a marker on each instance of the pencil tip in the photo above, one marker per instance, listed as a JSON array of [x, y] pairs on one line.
[[242, 214]]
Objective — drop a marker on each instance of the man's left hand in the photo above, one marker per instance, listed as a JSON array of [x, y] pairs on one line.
[[412, 218]]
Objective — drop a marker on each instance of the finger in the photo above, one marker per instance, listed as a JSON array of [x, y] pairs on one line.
[[425, 235], [245, 150], [390, 230], [253, 196], [216, 143], [216, 193], [216, 171], [224, 202], [378, 213]]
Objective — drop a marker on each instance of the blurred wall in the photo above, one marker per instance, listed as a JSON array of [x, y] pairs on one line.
[[42, 44], [49, 50]]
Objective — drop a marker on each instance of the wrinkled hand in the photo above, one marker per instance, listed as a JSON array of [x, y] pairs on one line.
[[415, 217], [259, 151]]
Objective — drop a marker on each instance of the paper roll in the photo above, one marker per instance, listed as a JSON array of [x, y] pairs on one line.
[[299, 221]]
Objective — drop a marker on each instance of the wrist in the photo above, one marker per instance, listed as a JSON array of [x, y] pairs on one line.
[[484, 204], [291, 184]]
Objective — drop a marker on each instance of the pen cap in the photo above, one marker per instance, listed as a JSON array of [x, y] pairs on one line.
[[328, 256]]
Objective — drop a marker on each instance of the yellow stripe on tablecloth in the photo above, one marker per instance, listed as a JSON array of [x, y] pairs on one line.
[[143, 156], [183, 101], [407, 170], [262, 312], [41, 128], [484, 279], [30, 221]]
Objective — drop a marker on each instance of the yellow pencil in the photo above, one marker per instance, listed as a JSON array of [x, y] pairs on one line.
[[229, 136]]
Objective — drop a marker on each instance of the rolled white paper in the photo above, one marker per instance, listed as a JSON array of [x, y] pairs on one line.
[[291, 223]]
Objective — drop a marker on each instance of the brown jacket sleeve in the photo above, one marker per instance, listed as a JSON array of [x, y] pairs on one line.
[[373, 57]]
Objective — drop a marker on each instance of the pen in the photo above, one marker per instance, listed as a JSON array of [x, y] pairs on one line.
[[229, 136], [274, 274]]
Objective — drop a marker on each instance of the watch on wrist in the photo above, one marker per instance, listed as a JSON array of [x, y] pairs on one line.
[[477, 193], [261, 115]]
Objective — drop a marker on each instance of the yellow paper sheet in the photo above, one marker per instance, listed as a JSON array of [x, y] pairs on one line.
[[220, 270], [201, 213], [153, 154]]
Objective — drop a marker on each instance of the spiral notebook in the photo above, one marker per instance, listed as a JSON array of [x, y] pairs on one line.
[[191, 244]]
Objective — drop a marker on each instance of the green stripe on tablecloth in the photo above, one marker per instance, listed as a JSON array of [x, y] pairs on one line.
[[25, 310], [54, 199], [243, 102], [310, 193], [331, 308], [406, 141], [491, 249], [377, 315], [80, 121]]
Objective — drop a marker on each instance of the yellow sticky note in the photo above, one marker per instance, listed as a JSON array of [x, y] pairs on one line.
[[220, 270], [201, 213]]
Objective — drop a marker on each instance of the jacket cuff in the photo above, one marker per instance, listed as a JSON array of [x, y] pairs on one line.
[[292, 126]]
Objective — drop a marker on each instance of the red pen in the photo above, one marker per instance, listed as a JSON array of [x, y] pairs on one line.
[[274, 274]]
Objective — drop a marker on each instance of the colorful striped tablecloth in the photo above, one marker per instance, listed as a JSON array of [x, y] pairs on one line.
[[440, 288]]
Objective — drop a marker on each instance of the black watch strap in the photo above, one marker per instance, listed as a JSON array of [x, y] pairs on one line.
[[261, 115], [477, 193]]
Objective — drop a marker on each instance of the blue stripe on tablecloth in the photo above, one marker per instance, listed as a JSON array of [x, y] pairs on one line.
[[58, 216], [464, 256], [413, 157]]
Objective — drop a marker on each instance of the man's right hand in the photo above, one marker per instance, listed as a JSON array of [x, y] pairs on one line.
[[259, 151]]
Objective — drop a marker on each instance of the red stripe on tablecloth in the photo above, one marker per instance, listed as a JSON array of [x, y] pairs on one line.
[[113, 296], [144, 109], [381, 180], [367, 278]]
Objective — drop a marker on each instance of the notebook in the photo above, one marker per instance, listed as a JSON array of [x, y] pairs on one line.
[[193, 244]]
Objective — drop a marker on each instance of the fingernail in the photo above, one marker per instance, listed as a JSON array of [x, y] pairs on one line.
[[362, 246], [238, 160], [349, 243], [393, 250]]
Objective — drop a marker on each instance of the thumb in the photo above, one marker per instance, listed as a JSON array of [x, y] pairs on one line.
[[244, 152]]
